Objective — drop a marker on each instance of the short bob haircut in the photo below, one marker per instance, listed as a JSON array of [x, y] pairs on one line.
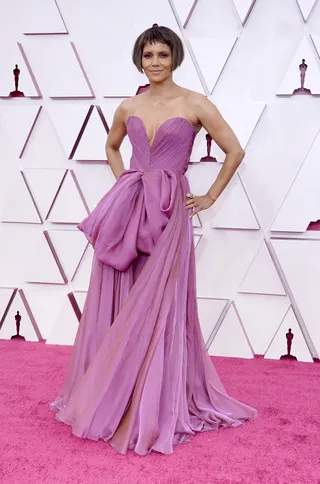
[[158, 34]]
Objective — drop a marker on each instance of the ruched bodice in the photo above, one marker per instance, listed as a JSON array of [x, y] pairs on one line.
[[171, 147], [131, 217]]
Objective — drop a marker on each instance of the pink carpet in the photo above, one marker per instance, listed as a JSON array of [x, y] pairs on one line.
[[281, 447]]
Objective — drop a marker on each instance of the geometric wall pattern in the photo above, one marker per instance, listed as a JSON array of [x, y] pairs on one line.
[[257, 248]]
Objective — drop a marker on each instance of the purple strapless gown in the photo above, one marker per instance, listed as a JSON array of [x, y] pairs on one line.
[[140, 376]]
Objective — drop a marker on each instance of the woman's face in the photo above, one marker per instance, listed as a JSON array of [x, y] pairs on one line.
[[157, 61]]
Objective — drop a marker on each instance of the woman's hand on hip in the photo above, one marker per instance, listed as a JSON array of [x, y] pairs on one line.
[[198, 203]]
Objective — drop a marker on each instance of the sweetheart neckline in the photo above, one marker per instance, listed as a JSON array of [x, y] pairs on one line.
[[161, 125]]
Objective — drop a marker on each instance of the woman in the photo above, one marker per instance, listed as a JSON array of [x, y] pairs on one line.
[[140, 376]]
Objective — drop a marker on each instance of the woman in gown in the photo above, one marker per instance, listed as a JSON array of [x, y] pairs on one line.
[[140, 376]]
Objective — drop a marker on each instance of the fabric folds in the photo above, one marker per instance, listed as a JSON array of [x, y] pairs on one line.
[[140, 376]]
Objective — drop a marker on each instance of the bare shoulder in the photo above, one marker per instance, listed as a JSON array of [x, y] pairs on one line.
[[129, 106], [198, 105], [204, 109], [197, 99], [124, 108], [209, 117]]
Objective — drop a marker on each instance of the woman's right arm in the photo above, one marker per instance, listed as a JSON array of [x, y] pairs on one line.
[[116, 135]]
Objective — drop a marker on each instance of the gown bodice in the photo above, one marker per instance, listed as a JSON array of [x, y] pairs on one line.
[[171, 147], [132, 216]]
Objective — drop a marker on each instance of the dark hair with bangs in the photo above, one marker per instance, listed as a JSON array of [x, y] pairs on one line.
[[158, 34]]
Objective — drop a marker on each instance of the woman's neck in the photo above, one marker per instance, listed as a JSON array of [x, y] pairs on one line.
[[162, 90]]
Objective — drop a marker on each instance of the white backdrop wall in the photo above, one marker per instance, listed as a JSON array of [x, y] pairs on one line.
[[258, 267]]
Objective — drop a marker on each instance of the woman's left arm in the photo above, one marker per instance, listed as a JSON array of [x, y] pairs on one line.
[[219, 130]]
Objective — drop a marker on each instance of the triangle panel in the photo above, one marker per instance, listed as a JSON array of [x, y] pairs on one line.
[[196, 239], [81, 279], [298, 211], [10, 55], [261, 317], [80, 298], [45, 301], [44, 185], [243, 118], [6, 297], [244, 8], [43, 149], [300, 262], [196, 221], [19, 122], [262, 276], [18, 203], [65, 327], [57, 65], [316, 42], [305, 7], [98, 176], [232, 210], [292, 80], [43, 17], [184, 10], [207, 48], [69, 122], [28, 326], [68, 207], [69, 246], [278, 346], [91, 146], [42, 266], [230, 339], [209, 312]]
